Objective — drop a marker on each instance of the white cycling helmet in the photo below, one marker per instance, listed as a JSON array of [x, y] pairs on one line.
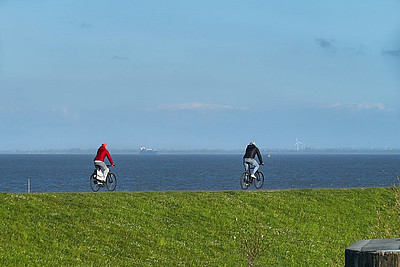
[[252, 143]]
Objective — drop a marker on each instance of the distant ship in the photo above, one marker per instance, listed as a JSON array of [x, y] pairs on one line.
[[144, 150]]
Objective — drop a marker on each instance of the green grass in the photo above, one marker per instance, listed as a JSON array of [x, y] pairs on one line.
[[301, 227]]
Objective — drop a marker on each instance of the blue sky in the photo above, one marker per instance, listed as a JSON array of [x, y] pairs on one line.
[[199, 74]]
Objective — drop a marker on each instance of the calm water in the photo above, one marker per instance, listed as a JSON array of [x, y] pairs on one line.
[[70, 173]]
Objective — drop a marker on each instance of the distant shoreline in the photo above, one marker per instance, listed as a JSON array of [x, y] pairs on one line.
[[264, 152]]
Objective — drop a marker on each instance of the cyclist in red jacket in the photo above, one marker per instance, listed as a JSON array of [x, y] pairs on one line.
[[102, 153]]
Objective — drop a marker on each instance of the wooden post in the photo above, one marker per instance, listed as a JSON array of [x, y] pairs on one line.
[[373, 253]]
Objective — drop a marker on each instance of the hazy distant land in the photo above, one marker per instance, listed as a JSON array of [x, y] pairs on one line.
[[264, 151]]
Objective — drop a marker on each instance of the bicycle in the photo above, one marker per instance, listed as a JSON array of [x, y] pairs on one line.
[[110, 182], [246, 180]]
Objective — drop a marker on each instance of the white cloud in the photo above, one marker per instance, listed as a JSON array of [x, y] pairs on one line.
[[359, 106], [66, 113], [195, 105]]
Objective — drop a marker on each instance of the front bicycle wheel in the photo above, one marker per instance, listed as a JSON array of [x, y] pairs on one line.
[[93, 183], [245, 180], [259, 181], [111, 181]]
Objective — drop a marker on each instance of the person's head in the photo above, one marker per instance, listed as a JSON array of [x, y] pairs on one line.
[[105, 145], [252, 144]]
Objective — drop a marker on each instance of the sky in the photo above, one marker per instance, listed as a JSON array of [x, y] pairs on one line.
[[199, 74]]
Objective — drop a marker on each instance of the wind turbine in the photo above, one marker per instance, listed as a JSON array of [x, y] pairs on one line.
[[298, 144]]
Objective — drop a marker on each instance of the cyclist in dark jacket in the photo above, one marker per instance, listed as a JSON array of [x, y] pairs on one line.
[[248, 158]]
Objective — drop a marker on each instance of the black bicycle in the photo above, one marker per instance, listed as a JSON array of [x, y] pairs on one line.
[[246, 180], [110, 182]]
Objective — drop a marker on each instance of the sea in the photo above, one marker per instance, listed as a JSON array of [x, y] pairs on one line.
[[20, 173]]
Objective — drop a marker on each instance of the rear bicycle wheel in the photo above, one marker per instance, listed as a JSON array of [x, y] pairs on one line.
[[245, 180], [93, 183], [259, 181], [111, 181]]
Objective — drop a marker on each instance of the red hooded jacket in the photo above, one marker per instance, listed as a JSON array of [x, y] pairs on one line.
[[102, 153]]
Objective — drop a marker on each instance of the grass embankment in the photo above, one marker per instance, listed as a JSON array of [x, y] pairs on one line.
[[302, 227]]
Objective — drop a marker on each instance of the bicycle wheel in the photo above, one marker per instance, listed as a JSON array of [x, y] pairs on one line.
[[259, 181], [93, 183], [111, 181], [244, 180]]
